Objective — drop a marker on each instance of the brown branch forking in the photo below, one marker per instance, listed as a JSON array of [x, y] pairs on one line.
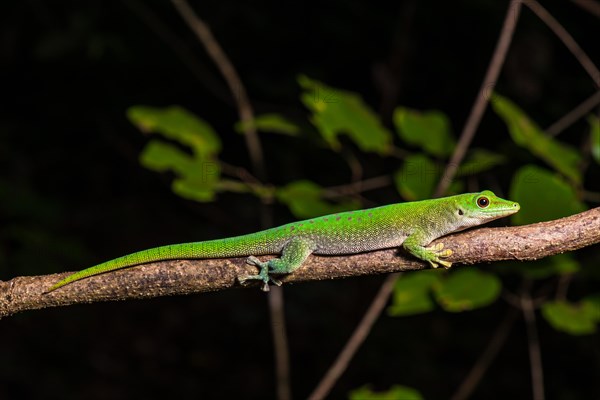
[[528, 242]]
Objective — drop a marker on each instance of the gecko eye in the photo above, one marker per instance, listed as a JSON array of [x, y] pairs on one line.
[[483, 202]]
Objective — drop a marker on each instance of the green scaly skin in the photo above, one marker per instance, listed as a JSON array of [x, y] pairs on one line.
[[410, 225]]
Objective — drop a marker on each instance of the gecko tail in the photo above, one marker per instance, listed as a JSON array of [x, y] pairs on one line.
[[131, 260], [229, 247], [96, 270]]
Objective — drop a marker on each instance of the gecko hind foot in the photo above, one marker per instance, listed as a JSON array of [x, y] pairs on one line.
[[263, 275]]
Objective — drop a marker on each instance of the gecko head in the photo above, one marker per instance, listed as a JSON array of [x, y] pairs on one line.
[[477, 208]]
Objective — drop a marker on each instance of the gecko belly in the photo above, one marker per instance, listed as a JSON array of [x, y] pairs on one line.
[[353, 244]]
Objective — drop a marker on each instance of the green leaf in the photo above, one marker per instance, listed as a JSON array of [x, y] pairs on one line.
[[178, 124], [560, 264], [542, 195], [197, 173], [466, 289], [417, 178], [196, 178], [593, 302], [594, 122], [412, 293], [456, 187], [273, 123], [305, 200], [428, 130], [396, 392], [160, 156], [194, 189], [480, 160], [573, 318], [529, 135], [336, 112]]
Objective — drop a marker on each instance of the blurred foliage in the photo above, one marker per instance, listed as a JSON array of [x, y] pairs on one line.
[[71, 195], [574, 318], [478, 161], [396, 392], [198, 173], [467, 289], [273, 123], [558, 265], [305, 200], [463, 290], [336, 112], [528, 134], [178, 124], [429, 130], [417, 178], [594, 122], [532, 186], [412, 293]]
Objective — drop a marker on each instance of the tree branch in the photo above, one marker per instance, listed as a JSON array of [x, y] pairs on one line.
[[246, 114], [356, 340], [572, 116], [217, 54], [581, 56], [529, 242], [481, 101], [466, 136], [533, 342], [487, 356], [591, 6]]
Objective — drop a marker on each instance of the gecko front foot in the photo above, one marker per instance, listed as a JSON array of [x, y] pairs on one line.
[[436, 253], [263, 275]]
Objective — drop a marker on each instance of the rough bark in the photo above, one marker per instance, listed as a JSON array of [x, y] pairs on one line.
[[529, 242]]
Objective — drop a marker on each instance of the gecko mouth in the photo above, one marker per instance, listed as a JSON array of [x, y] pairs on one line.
[[508, 210]]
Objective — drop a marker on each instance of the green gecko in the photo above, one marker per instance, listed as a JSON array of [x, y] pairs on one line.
[[411, 225]]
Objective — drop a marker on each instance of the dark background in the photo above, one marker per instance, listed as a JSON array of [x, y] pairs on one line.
[[72, 191]]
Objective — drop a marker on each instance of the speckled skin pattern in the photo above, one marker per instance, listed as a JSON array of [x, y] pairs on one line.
[[413, 225]]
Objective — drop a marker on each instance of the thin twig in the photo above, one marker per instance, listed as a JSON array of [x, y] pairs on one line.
[[354, 165], [214, 50], [356, 340], [572, 116], [591, 196], [180, 49], [280, 343], [498, 57], [511, 299], [566, 38], [246, 113], [481, 101], [591, 6], [239, 172], [563, 286], [278, 328], [358, 186], [465, 390], [535, 353]]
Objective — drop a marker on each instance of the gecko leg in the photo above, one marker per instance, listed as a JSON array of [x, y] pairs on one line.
[[440, 252], [432, 254], [294, 253]]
